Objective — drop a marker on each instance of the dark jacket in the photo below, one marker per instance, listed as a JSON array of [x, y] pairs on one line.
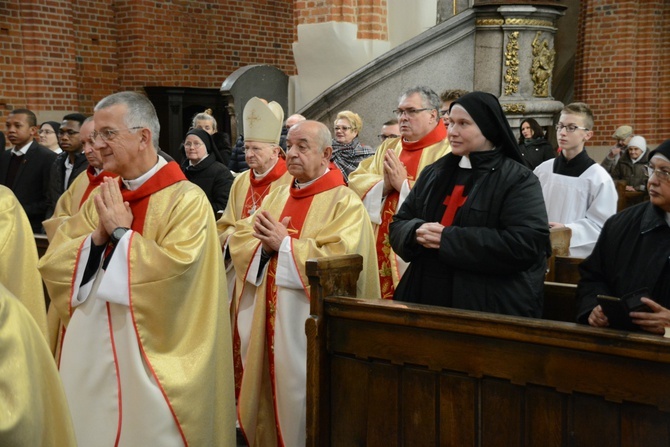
[[632, 252], [213, 178], [635, 174], [32, 181], [493, 257], [57, 177], [222, 143], [535, 151], [237, 161]]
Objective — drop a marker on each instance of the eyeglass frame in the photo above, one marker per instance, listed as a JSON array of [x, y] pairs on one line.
[[95, 134], [411, 113], [45, 131], [662, 175], [193, 144], [344, 128], [567, 128]]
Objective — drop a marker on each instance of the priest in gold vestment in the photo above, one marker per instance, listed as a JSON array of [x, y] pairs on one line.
[[18, 258], [263, 123], [316, 216], [137, 278], [33, 409], [384, 180]]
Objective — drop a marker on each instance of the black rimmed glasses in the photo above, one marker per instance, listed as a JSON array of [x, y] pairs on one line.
[[411, 113], [108, 135]]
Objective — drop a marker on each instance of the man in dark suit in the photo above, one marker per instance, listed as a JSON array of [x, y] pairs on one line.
[[25, 168], [69, 163]]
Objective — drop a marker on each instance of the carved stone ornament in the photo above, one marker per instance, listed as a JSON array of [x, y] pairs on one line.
[[512, 64], [514, 108], [542, 67]]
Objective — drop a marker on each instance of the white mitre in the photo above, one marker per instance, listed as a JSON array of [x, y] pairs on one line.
[[263, 122]]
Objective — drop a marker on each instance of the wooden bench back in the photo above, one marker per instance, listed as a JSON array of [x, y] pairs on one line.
[[392, 374]]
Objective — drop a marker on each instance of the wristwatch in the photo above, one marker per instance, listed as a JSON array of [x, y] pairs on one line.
[[117, 234]]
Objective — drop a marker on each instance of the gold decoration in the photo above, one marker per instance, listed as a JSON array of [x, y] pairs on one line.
[[528, 22], [514, 108], [512, 64], [518, 22], [542, 67], [489, 22]]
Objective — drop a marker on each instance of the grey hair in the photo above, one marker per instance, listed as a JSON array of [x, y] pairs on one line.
[[429, 98], [204, 116], [141, 112], [323, 136]]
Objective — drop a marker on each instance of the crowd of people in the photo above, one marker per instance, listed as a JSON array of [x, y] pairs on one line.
[[178, 292]]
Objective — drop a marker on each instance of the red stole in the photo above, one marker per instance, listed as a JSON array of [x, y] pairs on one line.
[[259, 188], [139, 199], [410, 157], [296, 207], [93, 181]]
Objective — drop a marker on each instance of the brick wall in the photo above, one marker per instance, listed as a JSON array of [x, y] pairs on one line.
[[622, 66], [369, 15], [66, 55]]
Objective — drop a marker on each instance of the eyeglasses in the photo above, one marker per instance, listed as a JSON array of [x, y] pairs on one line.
[[45, 132], [341, 128], [570, 128], [190, 145], [662, 175], [411, 113], [108, 135], [68, 132], [444, 112], [384, 137]]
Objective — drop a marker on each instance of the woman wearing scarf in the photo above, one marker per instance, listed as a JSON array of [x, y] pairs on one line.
[[534, 146], [632, 166], [474, 227], [347, 150], [203, 166]]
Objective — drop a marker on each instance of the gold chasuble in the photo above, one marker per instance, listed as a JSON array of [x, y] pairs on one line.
[[18, 258], [368, 182], [33, 409], [327, 219], [246, 196], [146, 357]]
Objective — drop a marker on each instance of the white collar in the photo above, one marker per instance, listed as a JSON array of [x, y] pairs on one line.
[[22, 150], [306, 184], [134, 184]]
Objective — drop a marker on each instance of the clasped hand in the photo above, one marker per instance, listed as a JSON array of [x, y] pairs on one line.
[[395, 172], [270, 232], [429, 234], [655, 321], [113, 211]]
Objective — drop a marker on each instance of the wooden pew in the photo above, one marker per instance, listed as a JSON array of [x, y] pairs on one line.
[[628, 198], [381, 373]]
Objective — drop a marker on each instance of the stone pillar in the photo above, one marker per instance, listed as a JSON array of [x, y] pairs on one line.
[[514, 58]]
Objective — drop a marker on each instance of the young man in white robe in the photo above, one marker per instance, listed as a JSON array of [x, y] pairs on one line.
[[578, 192]]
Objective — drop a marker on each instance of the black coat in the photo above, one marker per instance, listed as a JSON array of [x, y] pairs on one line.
[[632, 252], [535, 151], [57, 178], [493, 257], [32, 181], [213, 178], [237, 161]]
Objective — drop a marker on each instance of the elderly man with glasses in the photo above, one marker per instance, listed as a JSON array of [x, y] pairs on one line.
[[384, 180], [631, 257], [138, 280]]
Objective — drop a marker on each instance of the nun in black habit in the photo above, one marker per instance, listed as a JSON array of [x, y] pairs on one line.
[[204, 166], [474, 227]]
